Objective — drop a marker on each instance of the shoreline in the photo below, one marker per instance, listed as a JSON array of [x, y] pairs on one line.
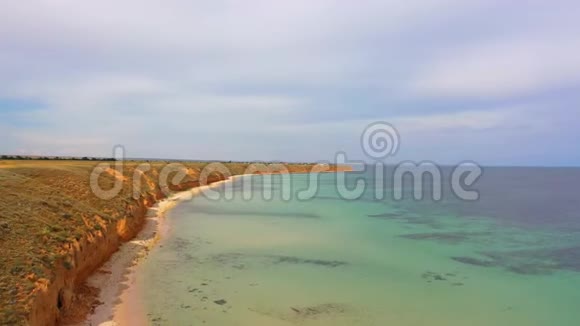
[[67, 232], [118, 299]]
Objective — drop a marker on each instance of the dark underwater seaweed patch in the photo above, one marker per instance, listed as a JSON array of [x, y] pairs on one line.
[[234, 260], [446, 237], [221, 211], [567, 258], [514, 266], [297, 260], [389, 215], [318, 310], [539, 261], [542, 261], [442, 237], [530, 269], [474, 261], [450, 278]]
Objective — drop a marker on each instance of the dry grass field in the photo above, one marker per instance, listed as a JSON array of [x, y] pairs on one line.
[[46, 206]]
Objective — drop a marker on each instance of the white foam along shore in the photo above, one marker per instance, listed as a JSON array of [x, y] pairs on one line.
[[119, 296]]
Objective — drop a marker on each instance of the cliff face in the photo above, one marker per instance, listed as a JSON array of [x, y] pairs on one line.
[[54, 231], [57, 297], [60, 297]]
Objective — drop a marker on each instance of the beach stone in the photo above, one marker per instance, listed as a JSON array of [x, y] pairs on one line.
[[220, 302]]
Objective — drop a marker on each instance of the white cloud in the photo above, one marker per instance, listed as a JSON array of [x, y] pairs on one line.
[[89, 116], [466, 120], [248, 25], [502, 68], [301, 42], [463, 120]]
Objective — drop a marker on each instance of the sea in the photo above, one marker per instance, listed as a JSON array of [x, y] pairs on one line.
[[251, 254]]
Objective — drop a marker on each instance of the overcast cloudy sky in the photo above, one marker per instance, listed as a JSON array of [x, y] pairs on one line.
[[497, 82]]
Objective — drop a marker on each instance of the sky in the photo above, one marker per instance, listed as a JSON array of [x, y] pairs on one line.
[[495, 82]]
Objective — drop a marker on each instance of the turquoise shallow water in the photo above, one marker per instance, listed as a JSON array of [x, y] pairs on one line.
[[326, 261]]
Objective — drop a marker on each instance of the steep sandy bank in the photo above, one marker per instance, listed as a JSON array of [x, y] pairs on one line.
[[67, 299], [118, 300], [54, 232]]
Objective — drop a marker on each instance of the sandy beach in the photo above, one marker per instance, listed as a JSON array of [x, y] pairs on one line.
[[119, 298]]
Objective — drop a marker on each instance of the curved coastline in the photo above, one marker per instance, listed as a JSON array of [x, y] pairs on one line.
[[95, 267], [118, 297]]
